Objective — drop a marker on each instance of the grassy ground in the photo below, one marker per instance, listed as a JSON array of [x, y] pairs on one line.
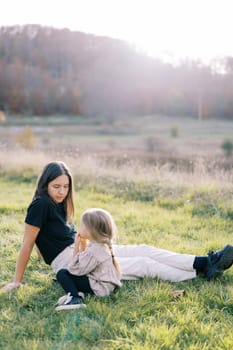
[[185, 216]]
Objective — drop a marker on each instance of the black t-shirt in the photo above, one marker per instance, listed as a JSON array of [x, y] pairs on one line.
[[55, 234]]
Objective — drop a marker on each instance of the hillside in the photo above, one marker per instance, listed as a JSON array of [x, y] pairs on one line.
[[46, 71]]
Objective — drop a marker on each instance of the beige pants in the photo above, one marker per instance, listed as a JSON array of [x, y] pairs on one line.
[[142, 260], [63, 259], [138, 261]]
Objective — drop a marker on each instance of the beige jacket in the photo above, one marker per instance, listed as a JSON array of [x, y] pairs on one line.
[[96, 262]]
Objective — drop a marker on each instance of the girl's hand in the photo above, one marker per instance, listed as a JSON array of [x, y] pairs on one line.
[[80, 243], [77, 244], [8, 287], [83, 243], [77, 238]]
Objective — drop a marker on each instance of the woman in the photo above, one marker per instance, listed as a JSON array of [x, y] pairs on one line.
[[49, 225]]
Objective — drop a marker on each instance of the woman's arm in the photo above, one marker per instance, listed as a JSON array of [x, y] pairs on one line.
[[29, 238]]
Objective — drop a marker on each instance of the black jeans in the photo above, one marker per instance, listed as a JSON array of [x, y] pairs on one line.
[[73, 284]]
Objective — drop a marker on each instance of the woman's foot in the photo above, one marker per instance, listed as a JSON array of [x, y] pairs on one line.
[[68, 302], [219, 261]]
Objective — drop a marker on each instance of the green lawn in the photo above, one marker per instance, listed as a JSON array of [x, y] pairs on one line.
[[142, 314]]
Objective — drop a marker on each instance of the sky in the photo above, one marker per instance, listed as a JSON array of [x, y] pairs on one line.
[[169, 29]]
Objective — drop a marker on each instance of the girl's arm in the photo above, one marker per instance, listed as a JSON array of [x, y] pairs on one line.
[[29, 238], [83, 263]]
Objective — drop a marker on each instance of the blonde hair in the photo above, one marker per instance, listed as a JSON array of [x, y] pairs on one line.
[[102, 228]]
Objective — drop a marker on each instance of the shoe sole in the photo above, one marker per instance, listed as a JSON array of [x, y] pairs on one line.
[[213, 273], [226, 259], [70, 307]]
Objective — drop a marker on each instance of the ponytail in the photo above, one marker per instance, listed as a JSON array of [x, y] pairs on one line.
[[115, 263]]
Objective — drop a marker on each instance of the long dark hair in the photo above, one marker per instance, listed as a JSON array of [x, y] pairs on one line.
[[50, 172]]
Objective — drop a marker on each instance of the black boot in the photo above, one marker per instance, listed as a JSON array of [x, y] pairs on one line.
[[218, 262]]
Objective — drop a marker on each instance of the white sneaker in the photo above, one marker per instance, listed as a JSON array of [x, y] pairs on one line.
[[64, 298], [68, 302], [68, 297], [81, 294]]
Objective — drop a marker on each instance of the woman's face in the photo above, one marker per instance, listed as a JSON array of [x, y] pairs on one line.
[[58, 188]]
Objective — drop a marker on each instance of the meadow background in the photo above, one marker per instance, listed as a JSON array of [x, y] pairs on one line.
[[168, 183]]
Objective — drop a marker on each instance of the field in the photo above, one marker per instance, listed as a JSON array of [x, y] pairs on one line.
[[174, 193], [149, 137]]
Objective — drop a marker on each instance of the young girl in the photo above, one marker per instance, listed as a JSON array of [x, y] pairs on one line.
[[48, 224], [93, 269]]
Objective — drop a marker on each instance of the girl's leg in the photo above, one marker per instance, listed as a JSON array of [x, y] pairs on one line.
[[139, 267], [178, 261], [73, 284]]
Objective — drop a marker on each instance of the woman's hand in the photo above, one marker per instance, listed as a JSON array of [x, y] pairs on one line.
[[10, 286], [30, 234]]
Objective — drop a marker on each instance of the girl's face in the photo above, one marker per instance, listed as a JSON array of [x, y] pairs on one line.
[[58, 188]]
